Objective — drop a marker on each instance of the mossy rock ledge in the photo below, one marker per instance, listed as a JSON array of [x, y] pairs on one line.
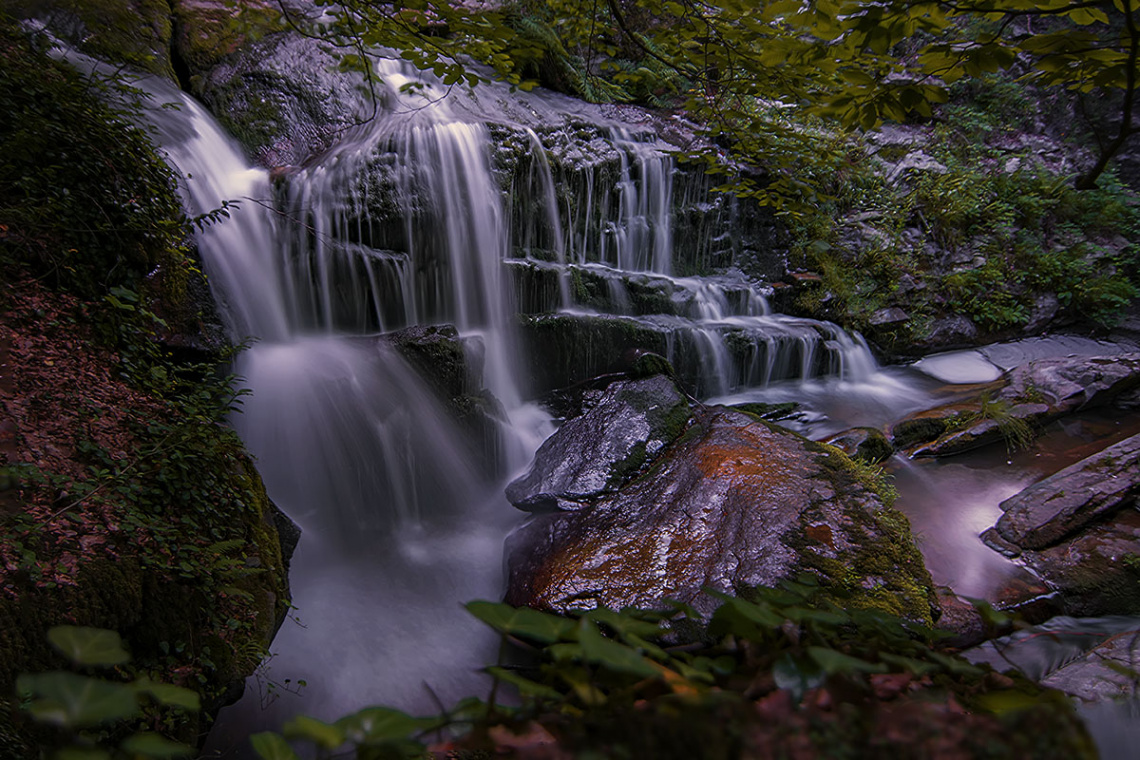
[[731, 503]]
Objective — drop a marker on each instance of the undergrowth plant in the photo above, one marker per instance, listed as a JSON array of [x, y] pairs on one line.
[[110, 716], [637, 683]]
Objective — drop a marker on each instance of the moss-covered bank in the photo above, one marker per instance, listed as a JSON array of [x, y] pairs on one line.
[[124, 502]]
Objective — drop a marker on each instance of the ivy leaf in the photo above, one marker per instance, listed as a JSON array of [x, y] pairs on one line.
[[375, 725], [88, 646], [75, 701], [168, 694], [148, 744], [317, 731], [526, 687], [527, 623], [739, 617], [599, 650], [624, 623], [271, 746], [834, 662], [909, 664]]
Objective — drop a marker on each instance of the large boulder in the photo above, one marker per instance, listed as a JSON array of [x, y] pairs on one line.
[[596, 452], [733, 503]]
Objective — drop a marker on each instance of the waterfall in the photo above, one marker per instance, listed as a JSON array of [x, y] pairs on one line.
[[411, 219]]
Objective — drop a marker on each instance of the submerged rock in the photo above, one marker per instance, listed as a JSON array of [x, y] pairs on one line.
[[598, 451], [732, 504]]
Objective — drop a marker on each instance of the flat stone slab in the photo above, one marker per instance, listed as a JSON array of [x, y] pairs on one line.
[[1103, 673], [1057, 507]]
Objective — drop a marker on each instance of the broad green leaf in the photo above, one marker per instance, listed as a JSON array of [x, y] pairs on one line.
[[75, 701], [739, 617], [375, 725], [82, 753], [599, 650], [88, 646], [624, 623], [168, 695], [527, 623], [909, 664], [797, 675], [1007, 701], [955, 665], [271, 746], [526, 687], [148, 744], [316, 731], [835, 662]]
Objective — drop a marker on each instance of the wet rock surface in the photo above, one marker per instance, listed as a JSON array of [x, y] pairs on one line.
[[1079, 532], [1062, 504], [1103, 673], [960, 619], [282, 98], [867, 444], [596, 452], [733, 503], [1033, 395], [1098, 571]]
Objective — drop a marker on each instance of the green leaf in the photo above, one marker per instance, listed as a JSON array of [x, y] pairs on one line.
[[797, 675], [168, 695], [381, 724], [909, 664], [316, 731], [526, 687], [150, 744], [599, 650], [271, 746], [624, 623], [955, 665], [82, 753], [739, 617], [835, 662], [527, 623], [88, 646], [75, 701]]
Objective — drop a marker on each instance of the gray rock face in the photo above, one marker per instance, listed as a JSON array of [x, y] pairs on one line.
[[283, 98], [1074, 383], [1098, 571], [596, 452], [1078, 531], [1033, 395], [733, 503], [1062, 504], [1102, 673]]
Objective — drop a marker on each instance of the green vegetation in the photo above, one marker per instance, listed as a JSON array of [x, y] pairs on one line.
[[126, 503], [89, 716], [747, 681]]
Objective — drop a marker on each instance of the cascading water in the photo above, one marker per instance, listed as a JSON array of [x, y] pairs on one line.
[[409, 220], [406, 222]]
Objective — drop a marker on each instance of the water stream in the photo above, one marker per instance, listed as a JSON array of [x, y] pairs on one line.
[[418, 218]]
